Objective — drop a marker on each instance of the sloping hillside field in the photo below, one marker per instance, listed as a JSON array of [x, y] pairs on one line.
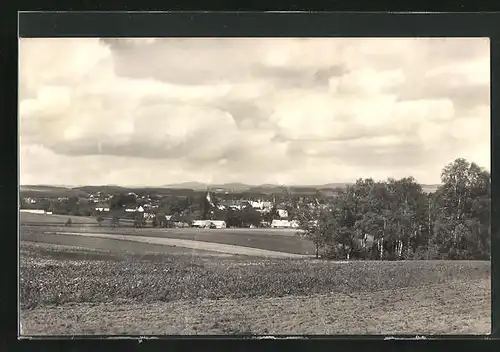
[[39, 219], [68, 290], [270, 240]]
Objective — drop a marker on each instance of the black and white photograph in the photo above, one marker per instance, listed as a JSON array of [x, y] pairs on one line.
[[254, 186]]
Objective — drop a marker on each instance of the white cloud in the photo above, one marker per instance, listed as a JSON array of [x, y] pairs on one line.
[[370, 81], [250, 110]]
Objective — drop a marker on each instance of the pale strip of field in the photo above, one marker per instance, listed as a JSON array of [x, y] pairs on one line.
[[206, 246]]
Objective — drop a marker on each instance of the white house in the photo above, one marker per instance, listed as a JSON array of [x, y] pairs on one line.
[[102, 209], [283, 213], [219, 224], [30, 200], [284, 224], [33, 211], [261, 206], [200, 223], [133, 210]]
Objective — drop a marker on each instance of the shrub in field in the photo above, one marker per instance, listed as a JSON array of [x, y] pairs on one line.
[[99, 219]]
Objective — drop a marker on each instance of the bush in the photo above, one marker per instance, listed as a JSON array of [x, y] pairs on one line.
[[99, 219]]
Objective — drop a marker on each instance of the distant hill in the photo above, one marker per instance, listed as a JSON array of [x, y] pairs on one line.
[[187, 185], [42, 188], [49, 191], [333, 185], [105, 189], [83, 191]]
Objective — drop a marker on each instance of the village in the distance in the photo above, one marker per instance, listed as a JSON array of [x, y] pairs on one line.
[[175, 206]]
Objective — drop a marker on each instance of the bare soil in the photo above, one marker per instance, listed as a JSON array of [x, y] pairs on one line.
[[76, 291], [456, 307]]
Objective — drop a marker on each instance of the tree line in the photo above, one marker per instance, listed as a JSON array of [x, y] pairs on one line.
[[395, 219]]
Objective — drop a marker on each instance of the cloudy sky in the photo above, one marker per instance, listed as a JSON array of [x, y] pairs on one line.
[[287, 111]]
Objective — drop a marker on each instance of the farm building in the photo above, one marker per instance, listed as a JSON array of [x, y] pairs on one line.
[[261, 205], [219, 224], [200, 223], [102, 208], [133, 210], [33, 211], [284, 224]]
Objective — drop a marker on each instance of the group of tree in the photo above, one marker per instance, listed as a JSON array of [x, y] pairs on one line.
[[66, 206], [395, 219]]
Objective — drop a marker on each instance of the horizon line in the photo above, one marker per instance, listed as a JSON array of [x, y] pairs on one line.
[[209, 184]]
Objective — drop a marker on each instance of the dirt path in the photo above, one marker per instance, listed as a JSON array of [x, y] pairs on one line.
[[206, 246], [455, 307]]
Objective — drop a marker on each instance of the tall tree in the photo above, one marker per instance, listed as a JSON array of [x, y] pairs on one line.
[[316, 225], [119, 201], [462, 223]]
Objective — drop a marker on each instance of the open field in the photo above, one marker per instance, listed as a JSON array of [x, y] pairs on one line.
[[75, 238], [31, 218], [271, 240], [67, 290]]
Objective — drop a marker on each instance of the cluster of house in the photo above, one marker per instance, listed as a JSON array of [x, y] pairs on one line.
[[148, 211], [221, 224], [98, 197], [284, 224], [29, 200], [139, 209], [260, 206]]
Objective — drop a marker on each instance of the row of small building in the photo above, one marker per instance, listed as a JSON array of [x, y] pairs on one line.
[[221, 224]]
